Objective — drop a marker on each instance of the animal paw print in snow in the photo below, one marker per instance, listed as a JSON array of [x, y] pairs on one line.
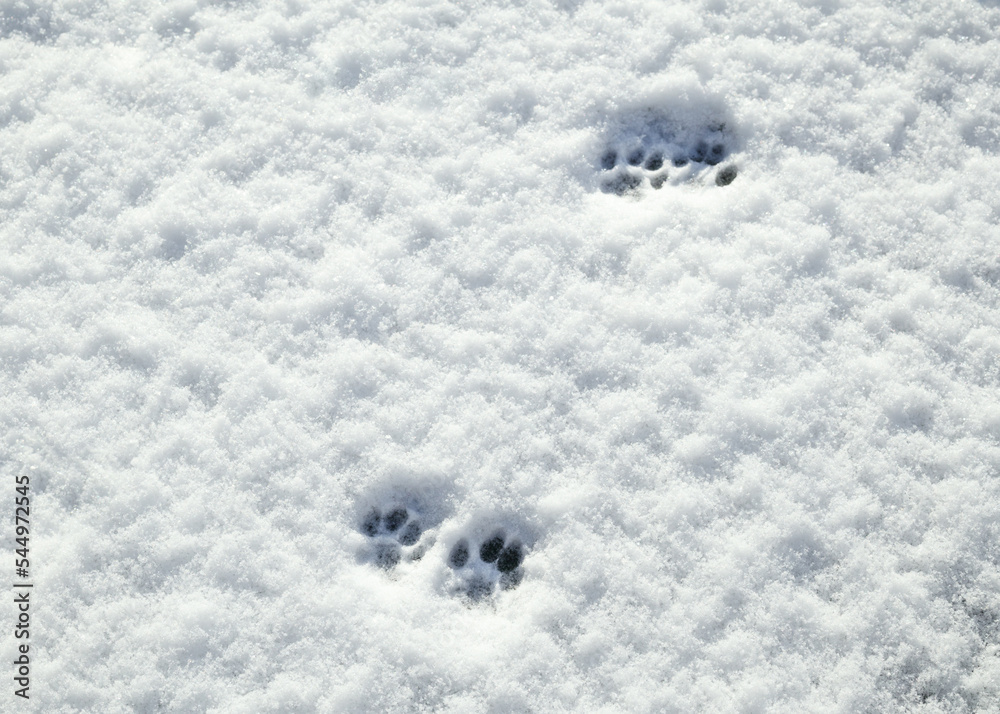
[[660, 155], [496, 562], [392, 535]]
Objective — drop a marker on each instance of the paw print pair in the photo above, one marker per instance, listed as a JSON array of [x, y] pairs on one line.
[[658, 156], [478, 569]]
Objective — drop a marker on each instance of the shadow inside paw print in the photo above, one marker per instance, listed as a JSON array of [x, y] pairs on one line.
[[495, 563], [392, 534], [662, 151]]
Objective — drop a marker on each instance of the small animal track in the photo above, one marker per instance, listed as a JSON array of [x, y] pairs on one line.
[[496, 562], [393, 534], [475, 568], [661, 151]]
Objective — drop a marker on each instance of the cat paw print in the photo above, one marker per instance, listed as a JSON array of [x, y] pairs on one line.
[[659, 152], [483, 568], [392, 535]]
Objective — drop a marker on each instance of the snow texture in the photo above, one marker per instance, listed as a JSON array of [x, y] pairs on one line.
[[268, 268]]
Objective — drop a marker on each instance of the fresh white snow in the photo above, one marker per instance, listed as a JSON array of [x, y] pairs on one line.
[[266, 266]]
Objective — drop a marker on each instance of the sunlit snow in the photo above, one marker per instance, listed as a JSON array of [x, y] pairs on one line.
[[352, 375]]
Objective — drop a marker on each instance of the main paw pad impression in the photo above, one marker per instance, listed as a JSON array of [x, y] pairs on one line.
[[495, 562]]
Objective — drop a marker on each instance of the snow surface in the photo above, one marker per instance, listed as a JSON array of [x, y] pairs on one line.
[[269, 265]]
